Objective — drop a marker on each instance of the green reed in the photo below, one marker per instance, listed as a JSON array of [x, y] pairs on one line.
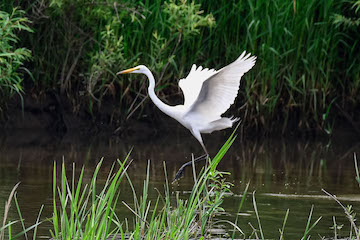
[[306, 76], [82, 212], [297, 71]]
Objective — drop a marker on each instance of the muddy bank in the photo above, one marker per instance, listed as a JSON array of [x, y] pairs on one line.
[[55, 114]]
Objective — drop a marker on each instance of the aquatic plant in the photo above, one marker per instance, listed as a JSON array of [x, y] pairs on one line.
[[349, 212], [6, 231], [82, 212], [189, 218]]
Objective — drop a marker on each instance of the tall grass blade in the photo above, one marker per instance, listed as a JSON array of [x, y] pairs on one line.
[[282, 230], [308, 228], [239, 208], [6, 211], [257, 217]]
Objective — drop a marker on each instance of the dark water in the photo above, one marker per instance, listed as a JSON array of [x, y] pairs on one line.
[[286, 174]]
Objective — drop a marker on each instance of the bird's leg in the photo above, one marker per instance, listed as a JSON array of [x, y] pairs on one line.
[[206, 152], [197, 135], [180, 173]]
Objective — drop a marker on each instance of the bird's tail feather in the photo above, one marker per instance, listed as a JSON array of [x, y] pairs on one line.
[[220, 124], [234, 119]]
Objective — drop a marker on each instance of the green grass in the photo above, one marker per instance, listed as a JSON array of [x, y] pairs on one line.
[[306, 76], [82, 212]]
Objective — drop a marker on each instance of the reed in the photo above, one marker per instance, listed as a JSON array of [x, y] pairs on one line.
[[82, 212], [306, 76], [6, 230]]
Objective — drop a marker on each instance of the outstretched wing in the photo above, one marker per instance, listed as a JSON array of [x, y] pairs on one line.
[[191, 85], [219, 91]]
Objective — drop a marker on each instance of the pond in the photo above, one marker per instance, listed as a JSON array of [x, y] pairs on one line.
[[286, 174]]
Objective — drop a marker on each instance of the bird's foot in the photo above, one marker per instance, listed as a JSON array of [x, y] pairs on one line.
[[179, 174], [181, 171]]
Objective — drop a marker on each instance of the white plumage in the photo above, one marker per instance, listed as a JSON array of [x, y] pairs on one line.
[[191, 85], [208, 93]]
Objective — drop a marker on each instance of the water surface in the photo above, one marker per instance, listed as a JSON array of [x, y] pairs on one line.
[[286, 173]]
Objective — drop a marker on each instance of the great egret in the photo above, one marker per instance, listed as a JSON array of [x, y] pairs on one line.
[[208, 93]]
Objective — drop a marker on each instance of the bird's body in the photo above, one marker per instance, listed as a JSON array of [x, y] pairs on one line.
[[208, 93]]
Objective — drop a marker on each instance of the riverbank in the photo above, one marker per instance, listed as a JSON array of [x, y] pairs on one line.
[[53, 114]]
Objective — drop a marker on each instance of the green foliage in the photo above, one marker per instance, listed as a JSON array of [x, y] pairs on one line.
[[218, 187], [94, 39], [82, 212], [349, 22], [104, 63], [12, 58], [297, 71], [185, 18], [183, 22], [307, 67]]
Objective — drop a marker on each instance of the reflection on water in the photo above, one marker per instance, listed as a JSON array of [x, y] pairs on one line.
[[286, 174]]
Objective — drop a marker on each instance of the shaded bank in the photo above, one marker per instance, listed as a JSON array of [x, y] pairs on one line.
[[53, 113]]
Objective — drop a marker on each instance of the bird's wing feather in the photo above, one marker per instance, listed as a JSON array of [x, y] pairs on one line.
[[219, 91], [191, 85]]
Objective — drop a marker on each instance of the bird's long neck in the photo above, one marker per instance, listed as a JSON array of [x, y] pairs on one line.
[[162, 106]]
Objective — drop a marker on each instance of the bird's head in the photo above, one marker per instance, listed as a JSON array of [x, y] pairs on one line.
[[137, 69]]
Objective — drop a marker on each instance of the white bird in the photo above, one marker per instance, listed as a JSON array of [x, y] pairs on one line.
[[208, 93]]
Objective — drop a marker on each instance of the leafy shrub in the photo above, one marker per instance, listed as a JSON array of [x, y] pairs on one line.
[[12, 58], [94, 39]]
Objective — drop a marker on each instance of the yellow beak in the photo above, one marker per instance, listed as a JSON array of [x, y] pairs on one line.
[[127, 71]]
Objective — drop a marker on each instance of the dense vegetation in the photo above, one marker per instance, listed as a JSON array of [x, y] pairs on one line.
[[306, 76]]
